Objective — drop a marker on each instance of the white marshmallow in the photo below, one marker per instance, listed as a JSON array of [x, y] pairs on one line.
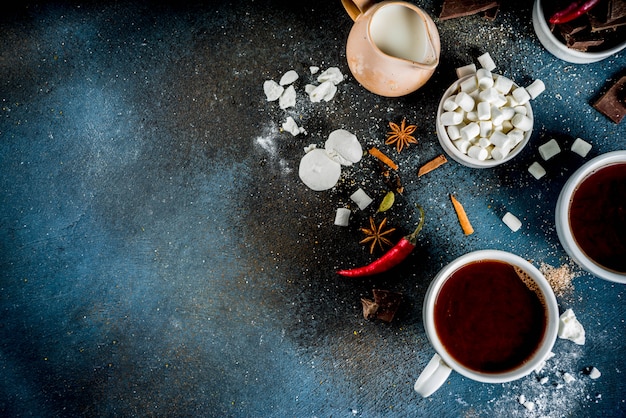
[[472, 116], [486, 62], [465, 70], [462, 145], [484, 142], [500, 100], [512, 221], [361, 198], [500, 139], [520, 95], [342, 216], [477, 153], [484, 78], [485, 128], [496, 116], [500, 153], [450, 104], [484, 111], [536, 170], [507, 112], [516, 135], [522, 122], [451, 118], [464, 101], [470, 131], [521, 109], [454, 131], [469, 85], [535, 88], [489, 95], [506, 126], [503, 84], [581, 147], [549, 149]]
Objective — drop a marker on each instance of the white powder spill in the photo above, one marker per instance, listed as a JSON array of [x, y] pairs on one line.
[[267, 142]]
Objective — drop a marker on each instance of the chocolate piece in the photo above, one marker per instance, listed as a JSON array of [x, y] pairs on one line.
[[384, 305], [459, 8], [612, 104]]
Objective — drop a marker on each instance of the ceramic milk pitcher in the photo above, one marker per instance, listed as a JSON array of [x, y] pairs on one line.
[[393, 47]]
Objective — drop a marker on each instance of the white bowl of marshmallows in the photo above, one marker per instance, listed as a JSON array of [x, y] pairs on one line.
[[484, 119]]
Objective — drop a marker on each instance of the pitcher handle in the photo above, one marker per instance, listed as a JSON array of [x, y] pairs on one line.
[[356, 7], [433, 376]]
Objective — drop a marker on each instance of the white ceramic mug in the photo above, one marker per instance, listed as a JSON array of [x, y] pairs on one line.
[[562, 216], [442, 363]]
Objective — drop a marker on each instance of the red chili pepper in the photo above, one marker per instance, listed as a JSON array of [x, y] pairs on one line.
[[391, 258], [574, 10]]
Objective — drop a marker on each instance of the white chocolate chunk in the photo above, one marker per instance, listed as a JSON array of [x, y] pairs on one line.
[[581, 147], [361, 199], [292, 127], [537, 170], [535, 88], [342, 216], [314, 69], [529, 405], [288, 98], [486, 62], [288, 78], [594, 373], [333, 74], [325, 91], [570, 328], [512, 221], [272, 90], [465, 70], [549, 149], [451, 118]]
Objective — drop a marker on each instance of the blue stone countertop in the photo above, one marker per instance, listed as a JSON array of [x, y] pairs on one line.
[[159, 255]]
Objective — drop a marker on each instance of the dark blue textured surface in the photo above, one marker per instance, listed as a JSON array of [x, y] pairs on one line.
[[160, 256]]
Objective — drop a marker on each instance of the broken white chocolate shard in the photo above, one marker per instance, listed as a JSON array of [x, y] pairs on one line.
[[325, 91], [570, 328], [342, 216], [512, 221], [581, 147], [288, 78], [288, 98], [568, 378], [361, 199], [537, 170], [291, 126], [272, 90], [333, 74], [314, 69], [549, 149], [594, 373]]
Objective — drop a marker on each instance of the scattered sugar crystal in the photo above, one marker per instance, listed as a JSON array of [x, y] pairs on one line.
[[537, 170], [570, 328], [594, 373], [568, 378], [272, 90], [288, 98], [581, 147], [333, 74], [288, 78], [549, 149]]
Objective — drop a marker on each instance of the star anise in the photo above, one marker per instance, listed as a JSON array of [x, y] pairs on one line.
[[376, 235], [401, 135]]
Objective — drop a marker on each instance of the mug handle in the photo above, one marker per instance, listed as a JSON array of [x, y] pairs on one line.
[[433, 376], [356, 7]]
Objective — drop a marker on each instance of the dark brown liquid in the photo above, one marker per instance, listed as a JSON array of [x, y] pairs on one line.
[[598, 216], [488, 319]]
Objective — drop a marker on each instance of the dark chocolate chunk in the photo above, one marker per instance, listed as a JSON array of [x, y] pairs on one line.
[[458, 8], [612, 104], [383, 307]]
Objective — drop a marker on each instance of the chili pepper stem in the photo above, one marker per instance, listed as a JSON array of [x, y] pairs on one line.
[[412, 237]]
